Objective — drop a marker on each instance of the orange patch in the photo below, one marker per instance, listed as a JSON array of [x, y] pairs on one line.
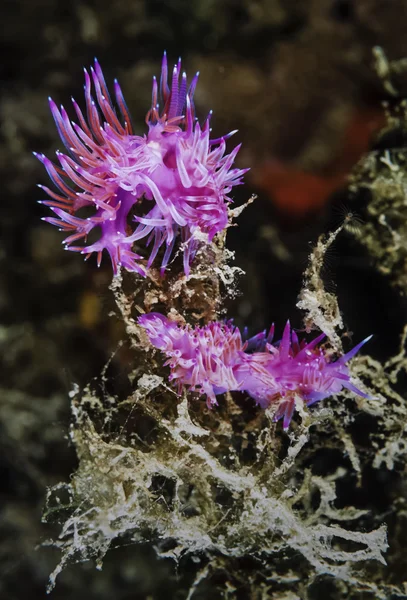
[[295, 192]]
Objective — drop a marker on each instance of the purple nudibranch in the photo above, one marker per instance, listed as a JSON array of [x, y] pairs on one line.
[[213, 359], [150, 191]]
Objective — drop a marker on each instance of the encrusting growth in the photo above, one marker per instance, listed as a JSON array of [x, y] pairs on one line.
[[174, 182], [217, 485], [214, 359]]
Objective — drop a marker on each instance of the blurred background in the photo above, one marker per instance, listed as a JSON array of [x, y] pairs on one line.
[[296, 78]]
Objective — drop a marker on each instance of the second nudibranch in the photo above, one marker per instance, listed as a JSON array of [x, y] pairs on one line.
[[214, 359]]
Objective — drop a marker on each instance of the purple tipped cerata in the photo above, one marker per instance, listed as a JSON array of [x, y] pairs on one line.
[[169, 185], [202, 358], [214, 359]]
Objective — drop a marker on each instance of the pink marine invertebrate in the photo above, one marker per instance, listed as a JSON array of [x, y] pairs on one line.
[[202, 358], [213, 359], [184, 177], [297, 371]]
